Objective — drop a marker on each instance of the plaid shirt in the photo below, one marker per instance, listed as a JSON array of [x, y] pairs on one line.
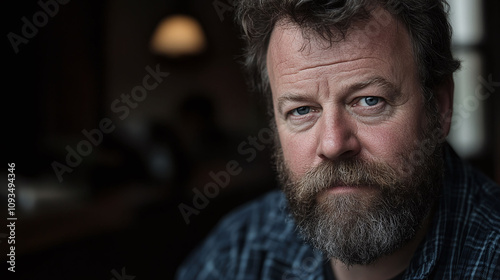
[[259, 240]]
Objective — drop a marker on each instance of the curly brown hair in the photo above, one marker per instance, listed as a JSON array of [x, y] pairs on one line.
[[425, 20]]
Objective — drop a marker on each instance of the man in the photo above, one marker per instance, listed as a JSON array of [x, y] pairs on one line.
[[361, 94]]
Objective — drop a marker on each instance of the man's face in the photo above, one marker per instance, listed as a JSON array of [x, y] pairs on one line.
[[348, 118]]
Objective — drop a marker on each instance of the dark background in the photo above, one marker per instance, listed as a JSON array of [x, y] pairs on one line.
[[115, 210]]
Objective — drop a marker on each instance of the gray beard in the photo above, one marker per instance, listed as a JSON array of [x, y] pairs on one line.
[[359, 228]]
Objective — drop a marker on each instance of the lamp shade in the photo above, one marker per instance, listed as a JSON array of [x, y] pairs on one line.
[[178, 35]]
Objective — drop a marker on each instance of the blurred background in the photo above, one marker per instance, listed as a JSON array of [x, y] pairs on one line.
[[119, 111]]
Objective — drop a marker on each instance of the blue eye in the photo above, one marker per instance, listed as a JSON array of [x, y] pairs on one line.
[[369, 101], [301, 111]]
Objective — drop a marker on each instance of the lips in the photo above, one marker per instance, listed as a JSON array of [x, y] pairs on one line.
[[350, 188]]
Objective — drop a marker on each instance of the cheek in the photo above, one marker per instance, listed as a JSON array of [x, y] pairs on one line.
[[298, 151], [386, 143]]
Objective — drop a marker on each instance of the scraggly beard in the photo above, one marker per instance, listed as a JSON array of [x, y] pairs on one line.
[[359, 227]]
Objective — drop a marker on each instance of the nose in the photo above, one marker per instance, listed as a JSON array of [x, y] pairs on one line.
[[337, 137]]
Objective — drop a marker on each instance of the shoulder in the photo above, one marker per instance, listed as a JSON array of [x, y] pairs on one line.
[[470, 194], [263, 218], [473, 197], [243, 240], [472, 219], [482, 230], [257, 211]]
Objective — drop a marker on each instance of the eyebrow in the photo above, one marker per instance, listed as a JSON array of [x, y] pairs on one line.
[[373, 81], [290, 97]]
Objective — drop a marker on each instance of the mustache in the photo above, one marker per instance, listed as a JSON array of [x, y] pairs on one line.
[[349, 172]]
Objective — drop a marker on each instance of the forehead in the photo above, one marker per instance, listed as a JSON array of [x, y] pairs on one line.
[[387, 39]]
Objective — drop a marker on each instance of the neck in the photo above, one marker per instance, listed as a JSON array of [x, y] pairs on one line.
[[386, 267]]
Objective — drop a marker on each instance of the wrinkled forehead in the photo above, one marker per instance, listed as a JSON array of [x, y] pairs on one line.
[[377, 36]]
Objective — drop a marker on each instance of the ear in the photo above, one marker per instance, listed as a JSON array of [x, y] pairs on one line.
[[444, 98]]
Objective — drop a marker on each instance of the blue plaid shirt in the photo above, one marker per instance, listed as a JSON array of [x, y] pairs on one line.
[[259, 240]]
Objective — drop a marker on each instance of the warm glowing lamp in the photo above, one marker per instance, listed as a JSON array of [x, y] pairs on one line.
[[178, 35]]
